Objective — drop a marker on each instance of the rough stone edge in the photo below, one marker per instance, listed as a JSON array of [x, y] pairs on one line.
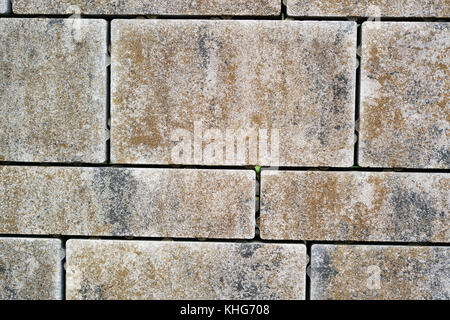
[[105, 26]]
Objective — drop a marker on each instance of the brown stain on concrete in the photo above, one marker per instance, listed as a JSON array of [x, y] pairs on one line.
[[230, 87], [400, 93]]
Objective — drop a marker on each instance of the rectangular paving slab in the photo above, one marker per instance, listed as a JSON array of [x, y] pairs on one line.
[[127, 202], [184, 270], [355, 206], [53, 90], [405, 95], [151, 7], [369, 8], [380, 272], [189, 92], [30, 269]]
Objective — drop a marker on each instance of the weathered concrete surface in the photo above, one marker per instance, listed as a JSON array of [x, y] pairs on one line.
[[405, 95], [4, 6], [127, 202], [53, 90], [151, 7], [30, 269], [368, 8], [380, 272], [184, 270], [295, 76], [355, 206]]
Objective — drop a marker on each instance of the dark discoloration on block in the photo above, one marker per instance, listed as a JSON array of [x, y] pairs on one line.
[[359, 206], [379, 272], [116, 191], [323, 269], [294, 76], [150, 7], [127, 202], [419, 207], [183, 270], [53, 90], [405, 95], [369, 8], [30, 269]]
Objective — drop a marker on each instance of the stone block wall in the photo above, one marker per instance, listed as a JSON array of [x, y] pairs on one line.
[[229, 149]]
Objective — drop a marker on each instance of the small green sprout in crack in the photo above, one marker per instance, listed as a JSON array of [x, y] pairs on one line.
[[258, 169]]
